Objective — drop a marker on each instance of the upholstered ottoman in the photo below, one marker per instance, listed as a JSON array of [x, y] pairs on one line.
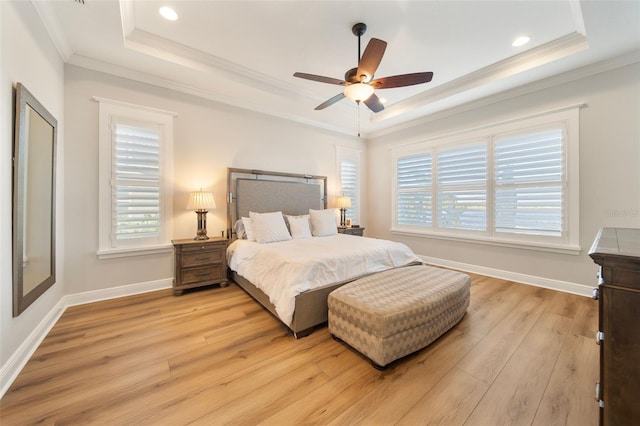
[[388, 315]]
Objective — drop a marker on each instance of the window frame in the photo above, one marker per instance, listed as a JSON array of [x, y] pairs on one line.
[[111, 112], [567, 117]]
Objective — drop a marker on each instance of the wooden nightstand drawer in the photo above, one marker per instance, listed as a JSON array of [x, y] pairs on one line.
[[200, 275], [202, 258], [352, 231]]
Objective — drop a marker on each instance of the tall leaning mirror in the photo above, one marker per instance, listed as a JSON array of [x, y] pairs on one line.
[[34, 171]]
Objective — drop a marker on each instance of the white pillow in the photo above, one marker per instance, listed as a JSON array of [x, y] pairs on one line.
[[269, 227], [323, 222], [248, 229], [299, 226]]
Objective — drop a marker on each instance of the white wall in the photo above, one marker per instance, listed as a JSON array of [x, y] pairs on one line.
[[609, 174], [208, 138], [27, 56]]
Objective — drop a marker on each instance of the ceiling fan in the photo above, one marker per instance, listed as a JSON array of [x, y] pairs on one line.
[[359, 83]]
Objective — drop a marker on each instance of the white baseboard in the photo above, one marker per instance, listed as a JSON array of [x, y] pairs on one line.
[[10, 370], [115, 292], [565, 286], [19, 358]]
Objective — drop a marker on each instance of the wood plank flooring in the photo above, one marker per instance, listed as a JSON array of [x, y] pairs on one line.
[[521, 355]]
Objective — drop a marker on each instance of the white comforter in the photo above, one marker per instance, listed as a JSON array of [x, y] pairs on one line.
[[285, 269]]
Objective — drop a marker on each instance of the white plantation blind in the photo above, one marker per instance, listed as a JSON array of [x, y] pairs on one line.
[[462, 193], [136, 182], [349, 186], [529, 181], [513, 183], [413, 192]]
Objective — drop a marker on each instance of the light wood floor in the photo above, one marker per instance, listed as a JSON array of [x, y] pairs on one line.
[[521, 355]]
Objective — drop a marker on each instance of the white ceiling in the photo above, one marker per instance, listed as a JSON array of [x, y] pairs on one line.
[[244, 53]]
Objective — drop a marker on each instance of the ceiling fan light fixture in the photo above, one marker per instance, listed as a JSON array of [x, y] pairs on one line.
[[358, 92], [168, 13]]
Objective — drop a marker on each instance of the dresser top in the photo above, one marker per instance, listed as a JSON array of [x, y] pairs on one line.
[[622, 244]]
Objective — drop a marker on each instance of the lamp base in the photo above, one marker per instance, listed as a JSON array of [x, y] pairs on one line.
[[343, 217], [201, 234]]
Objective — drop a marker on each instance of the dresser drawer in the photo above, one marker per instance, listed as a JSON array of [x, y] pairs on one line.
[[205, 274], [202, 258]]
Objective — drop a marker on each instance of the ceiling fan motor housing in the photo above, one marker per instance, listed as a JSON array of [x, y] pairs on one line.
[[351, 76]]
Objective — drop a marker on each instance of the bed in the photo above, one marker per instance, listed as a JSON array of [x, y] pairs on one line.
[[292, 279]]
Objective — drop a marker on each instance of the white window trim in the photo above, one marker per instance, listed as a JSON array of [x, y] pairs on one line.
[[569, 117], [344, 153], [109, 109]]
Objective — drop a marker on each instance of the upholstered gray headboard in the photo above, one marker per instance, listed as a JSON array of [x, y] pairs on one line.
[[262, 191]]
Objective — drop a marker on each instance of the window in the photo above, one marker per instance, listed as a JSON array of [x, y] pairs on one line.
[[349, 186], [515, 183], [414, 190], [135, 198], [529, 176], [461, 188], [135, 183], [348, 163]]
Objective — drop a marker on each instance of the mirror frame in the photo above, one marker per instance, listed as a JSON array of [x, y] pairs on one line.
[[23, 100]]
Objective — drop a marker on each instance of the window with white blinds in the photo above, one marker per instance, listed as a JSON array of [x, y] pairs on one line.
[[136, 179], [515, 183], [348, 180], [135, 183], [462, 192], [414, 190], [529, 181], [349, 186]]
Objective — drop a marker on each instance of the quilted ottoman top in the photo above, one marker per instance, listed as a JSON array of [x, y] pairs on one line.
[[400, 299]]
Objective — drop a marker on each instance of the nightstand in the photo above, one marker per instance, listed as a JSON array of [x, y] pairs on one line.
[[199, 263], [351, 231]]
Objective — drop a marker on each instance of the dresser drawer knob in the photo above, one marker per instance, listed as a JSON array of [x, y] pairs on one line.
[[595, 295], [599, 337]]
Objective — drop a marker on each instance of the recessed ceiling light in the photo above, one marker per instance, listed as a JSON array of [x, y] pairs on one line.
[[168, 13], [520, 41]]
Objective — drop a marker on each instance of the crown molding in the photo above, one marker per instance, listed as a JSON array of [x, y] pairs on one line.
[[107, 68], [556, 80], [51, 25], [543, 54]]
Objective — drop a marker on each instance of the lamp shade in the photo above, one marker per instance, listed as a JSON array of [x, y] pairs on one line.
[[200, 200], [358, 91], [343, 201]]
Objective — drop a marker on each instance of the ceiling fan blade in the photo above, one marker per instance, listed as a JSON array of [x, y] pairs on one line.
[[320, 78], [402, 80], [374, 104], [330, 102], [371, 58]]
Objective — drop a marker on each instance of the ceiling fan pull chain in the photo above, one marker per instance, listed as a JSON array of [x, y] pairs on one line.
[[358, 118]]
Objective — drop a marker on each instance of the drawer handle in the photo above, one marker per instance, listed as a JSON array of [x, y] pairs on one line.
[[596, 294], [202, 258], [203, 273], [598, 400], [599, 337]]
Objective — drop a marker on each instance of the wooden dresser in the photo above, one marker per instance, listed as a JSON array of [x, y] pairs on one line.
[[617, 251], [199, 263]]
